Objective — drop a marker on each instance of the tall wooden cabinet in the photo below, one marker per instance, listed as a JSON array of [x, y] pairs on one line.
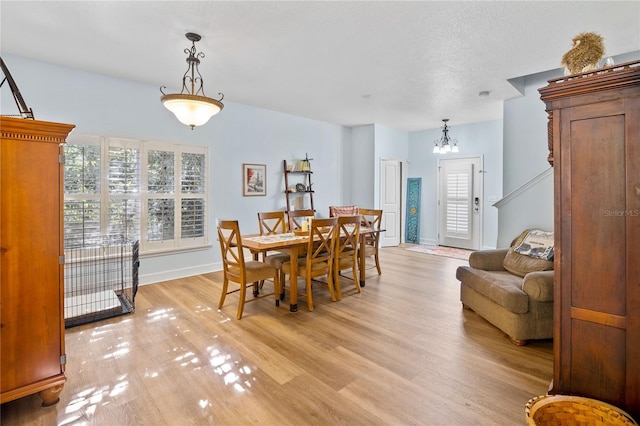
[[31, 250], [594, 136]]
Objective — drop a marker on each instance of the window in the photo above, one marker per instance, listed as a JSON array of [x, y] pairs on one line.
[[146, 191]]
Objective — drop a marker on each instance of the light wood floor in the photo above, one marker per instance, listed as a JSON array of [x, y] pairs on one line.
[[402, 352]]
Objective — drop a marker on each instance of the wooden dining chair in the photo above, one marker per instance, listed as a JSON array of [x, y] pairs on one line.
[[271, 223], [319, 259], [372, 218], [346, 251], [297, 216], [238, 270]]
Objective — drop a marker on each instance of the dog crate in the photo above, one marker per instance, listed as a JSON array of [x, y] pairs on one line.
[[100, 280]]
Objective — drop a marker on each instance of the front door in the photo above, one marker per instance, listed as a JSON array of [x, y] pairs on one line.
[[460, 202]]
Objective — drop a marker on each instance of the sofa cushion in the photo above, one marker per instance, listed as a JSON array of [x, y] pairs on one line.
[[500, 287], [520, 264]]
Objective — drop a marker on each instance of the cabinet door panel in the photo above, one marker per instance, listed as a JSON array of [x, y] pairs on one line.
[[31, 256], [597, 153], [597, 367]]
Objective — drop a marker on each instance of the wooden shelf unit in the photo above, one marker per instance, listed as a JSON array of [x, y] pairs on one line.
[[301, 177]]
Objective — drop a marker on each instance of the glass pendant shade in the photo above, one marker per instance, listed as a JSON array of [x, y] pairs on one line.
[[192, 110]]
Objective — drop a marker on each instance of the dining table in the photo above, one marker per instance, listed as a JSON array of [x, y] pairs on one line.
[[293, 244]]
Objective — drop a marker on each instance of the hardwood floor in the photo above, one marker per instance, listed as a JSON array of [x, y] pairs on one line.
[[402, 352]]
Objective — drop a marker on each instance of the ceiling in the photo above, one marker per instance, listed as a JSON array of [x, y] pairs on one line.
[[406, 65]]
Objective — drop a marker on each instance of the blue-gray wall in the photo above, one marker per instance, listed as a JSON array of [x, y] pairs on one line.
[[102, 105], [484, 139], [525, 157], [345, 160]]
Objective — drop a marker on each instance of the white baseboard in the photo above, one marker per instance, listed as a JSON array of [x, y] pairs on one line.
[[432, 242], [175, 274]]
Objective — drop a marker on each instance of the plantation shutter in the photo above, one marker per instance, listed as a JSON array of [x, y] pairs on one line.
[[123, 212], [458, 202]]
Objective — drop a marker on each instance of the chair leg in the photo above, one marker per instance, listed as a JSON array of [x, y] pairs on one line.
[[308, 290], [336, 285], [225, 286], [243, 294], [378, 264], [332, 290], [276, 287], [283, 279], [355, 278]]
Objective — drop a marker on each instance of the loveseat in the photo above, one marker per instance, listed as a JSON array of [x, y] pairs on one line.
[[512, 290]]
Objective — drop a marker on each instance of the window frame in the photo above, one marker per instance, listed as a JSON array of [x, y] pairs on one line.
[[178, 243]]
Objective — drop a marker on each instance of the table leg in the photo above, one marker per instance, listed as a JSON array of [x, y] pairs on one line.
[[256, 290], [293, 284]]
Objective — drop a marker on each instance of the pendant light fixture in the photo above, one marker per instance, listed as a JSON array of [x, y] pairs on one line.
[[445, 144], [191, 106]]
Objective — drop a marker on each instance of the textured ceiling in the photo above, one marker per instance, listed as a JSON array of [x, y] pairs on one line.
[[402, 64]]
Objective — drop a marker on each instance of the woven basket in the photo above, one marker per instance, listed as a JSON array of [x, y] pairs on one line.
[[565, 410]]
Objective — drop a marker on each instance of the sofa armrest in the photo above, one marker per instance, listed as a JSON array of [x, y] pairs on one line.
[[539, 286], [488, 260]]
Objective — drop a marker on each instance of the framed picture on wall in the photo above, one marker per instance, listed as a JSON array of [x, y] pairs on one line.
[[254, 179]]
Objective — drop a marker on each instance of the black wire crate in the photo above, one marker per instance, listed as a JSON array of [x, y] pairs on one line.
[[100, 279]]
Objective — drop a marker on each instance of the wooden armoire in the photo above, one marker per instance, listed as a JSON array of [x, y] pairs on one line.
[[594, 139], [31, 252]]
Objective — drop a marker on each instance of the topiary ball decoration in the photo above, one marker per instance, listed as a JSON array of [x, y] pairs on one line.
[[587, 50]]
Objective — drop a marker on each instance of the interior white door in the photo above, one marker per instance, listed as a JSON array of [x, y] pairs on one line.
[[459, 202], [390, 201]]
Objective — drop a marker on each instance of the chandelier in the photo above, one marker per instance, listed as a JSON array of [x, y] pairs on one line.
[[191, 106], [445, 144]]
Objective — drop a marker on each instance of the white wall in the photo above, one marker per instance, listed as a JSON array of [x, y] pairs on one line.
[[478, 138], [103, 105]]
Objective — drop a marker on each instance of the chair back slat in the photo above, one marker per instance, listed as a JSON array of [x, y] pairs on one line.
[[347, 244], [346, 252], [297, 216], [272, 223], [231, 247], [322, 239], [372, 218]]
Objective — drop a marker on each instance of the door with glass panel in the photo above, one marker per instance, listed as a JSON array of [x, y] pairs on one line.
[[460, 202]]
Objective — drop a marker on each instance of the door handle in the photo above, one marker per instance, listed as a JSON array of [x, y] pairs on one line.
[[476, 204]]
